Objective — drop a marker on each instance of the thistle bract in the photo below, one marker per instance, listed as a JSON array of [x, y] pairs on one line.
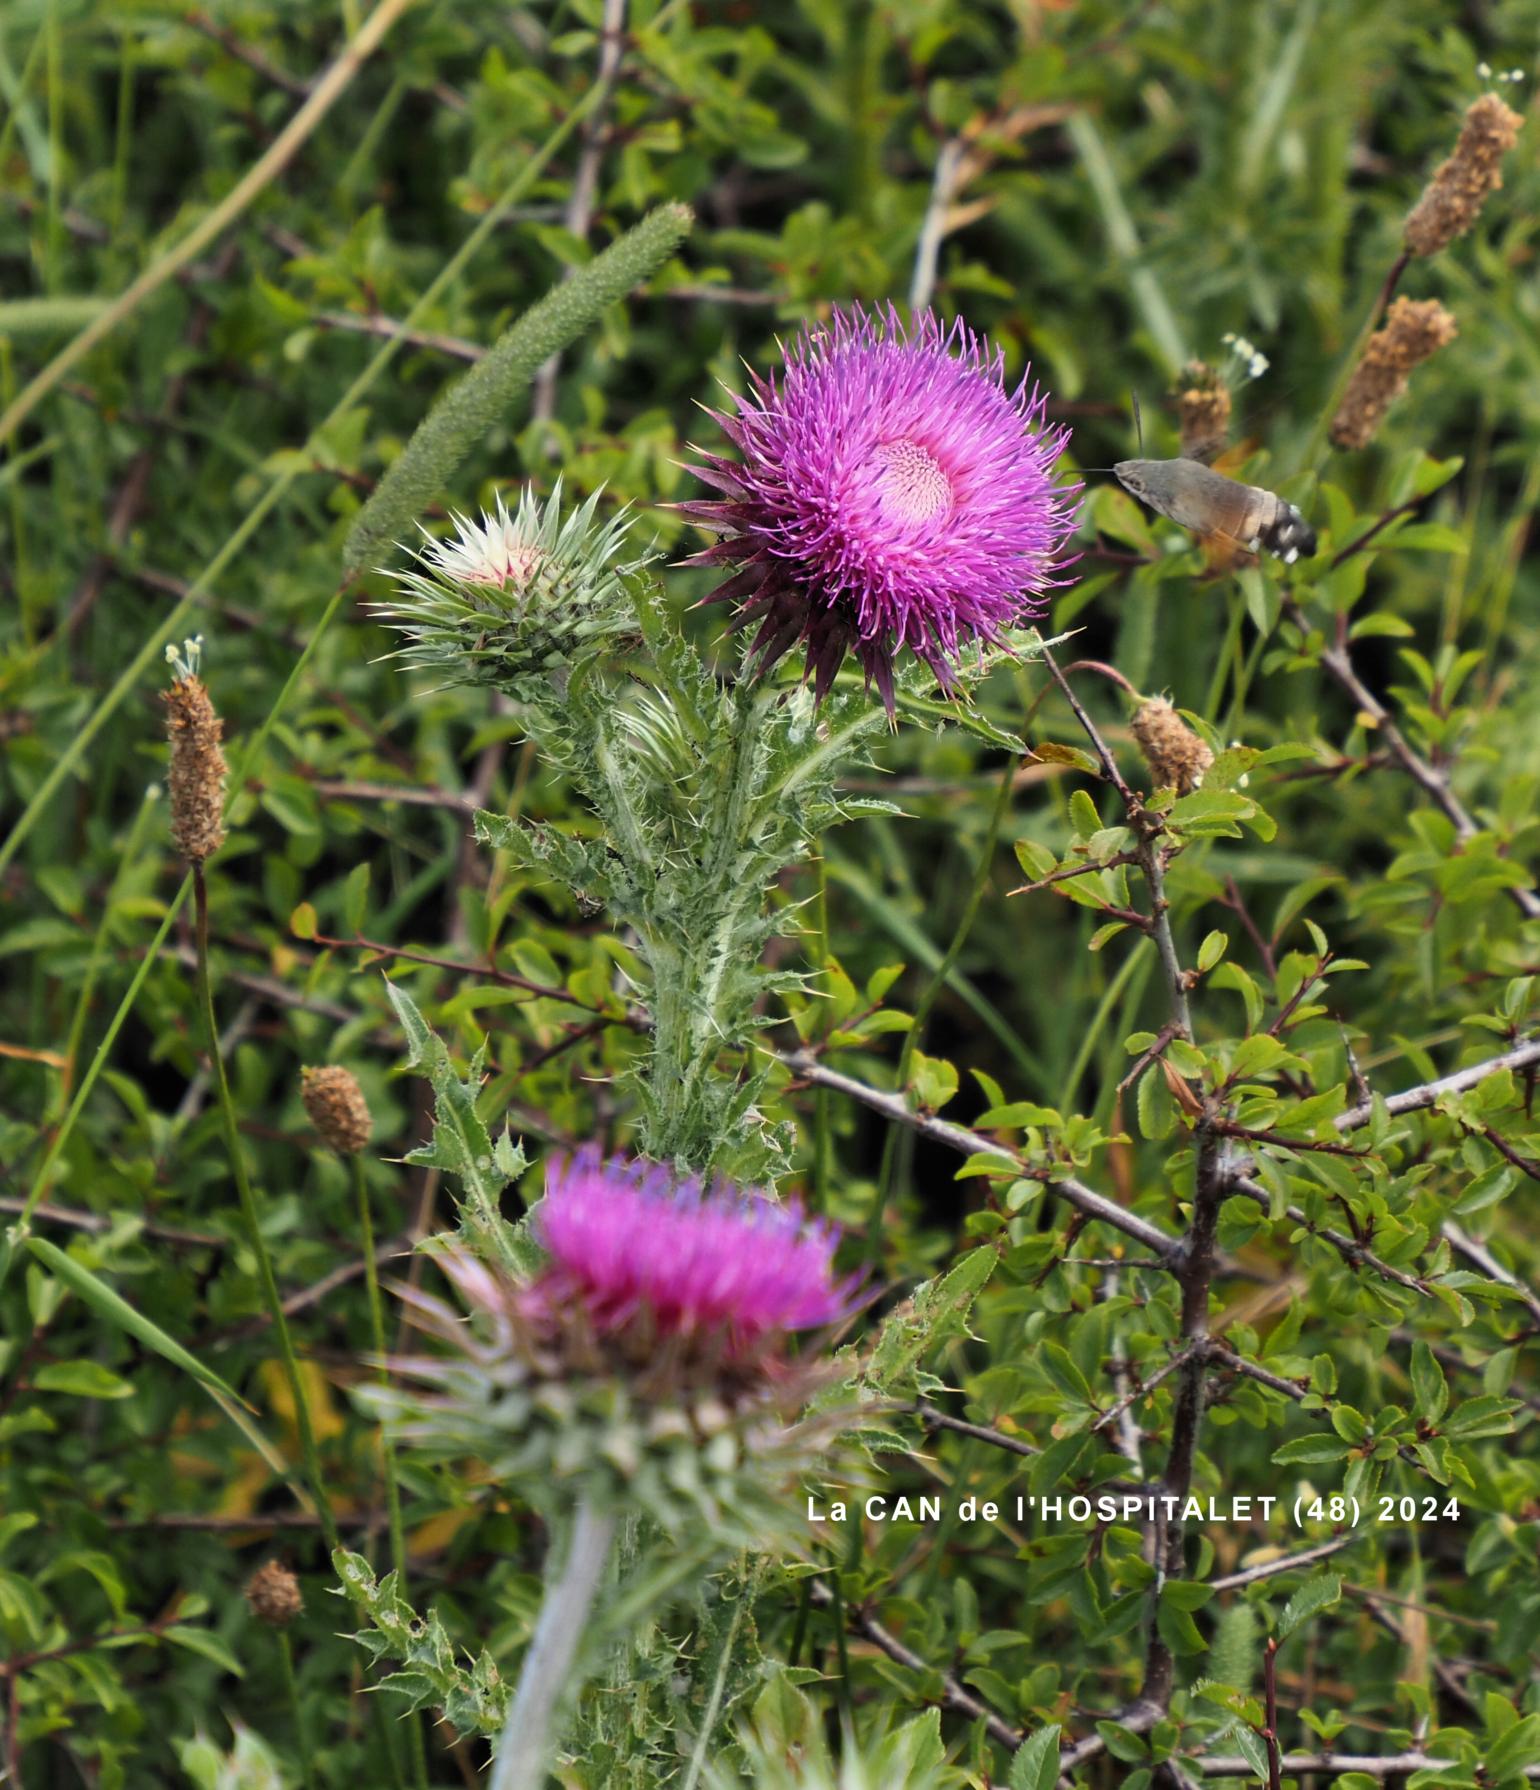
[[890, 492], [516, 598]]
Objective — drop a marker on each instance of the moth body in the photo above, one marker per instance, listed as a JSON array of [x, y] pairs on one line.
[[1196, 497]]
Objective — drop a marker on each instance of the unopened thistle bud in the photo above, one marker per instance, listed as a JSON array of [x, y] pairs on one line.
[[1453, 198], [198, 768], [1414, 329], [274, 1595], [1176, 756], [515, 600], [1202, 411], [336, 1107]]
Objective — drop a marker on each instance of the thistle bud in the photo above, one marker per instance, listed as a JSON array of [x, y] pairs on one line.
[[274, 1595], [1202, 411], [1453, 198], [198, 768], [1176, 756], [1414, 329], [515, 600], [336, 1107]]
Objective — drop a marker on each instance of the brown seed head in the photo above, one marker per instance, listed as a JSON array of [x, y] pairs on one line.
[[274, 1595], [1202, 411], [198, 770], [1452, 199], [1414, 329], [1176, 756], [337, 1108]]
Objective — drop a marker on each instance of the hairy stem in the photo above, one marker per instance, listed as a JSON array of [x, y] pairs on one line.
[[528, 1738]]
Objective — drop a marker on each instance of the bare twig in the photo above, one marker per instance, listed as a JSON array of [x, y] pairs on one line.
[[1432, 780], [579, 214], [243, 52], [1270, 1569], [456, 347], [1147, 829], [97, 1222], [970, 1143], [1428, 1093], [1393, 1765], [953, 1695]]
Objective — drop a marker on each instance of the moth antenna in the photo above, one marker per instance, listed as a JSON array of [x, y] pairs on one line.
[[1138, 423]]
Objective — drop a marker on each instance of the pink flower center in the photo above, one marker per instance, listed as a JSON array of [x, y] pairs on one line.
[[910, 480], [504, 566]]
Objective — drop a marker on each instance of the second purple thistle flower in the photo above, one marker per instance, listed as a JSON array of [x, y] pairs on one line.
[[890, 492]]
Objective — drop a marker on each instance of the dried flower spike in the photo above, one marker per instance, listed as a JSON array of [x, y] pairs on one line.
[[1453, 198], [198, 768], [1176, 756], [1415, 329], [336, 1107], [890, 493], [274, 1595], [1202, 411]]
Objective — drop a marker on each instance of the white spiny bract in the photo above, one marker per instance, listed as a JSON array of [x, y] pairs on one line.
[[516, 599]]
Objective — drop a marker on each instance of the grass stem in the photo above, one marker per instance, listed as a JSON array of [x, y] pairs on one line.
[[249, 1212]]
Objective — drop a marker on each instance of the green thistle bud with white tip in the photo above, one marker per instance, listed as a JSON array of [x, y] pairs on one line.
[[519, 598]]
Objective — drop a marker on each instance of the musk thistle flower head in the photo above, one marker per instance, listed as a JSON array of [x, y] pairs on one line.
[[198, 769], [515, 599], [647, 1356], [889, 492]]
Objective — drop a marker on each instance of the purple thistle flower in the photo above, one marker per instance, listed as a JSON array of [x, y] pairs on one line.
[[891, 492], [630, 1241]]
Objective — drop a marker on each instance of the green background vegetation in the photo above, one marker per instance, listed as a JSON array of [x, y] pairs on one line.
[[1135, 182]]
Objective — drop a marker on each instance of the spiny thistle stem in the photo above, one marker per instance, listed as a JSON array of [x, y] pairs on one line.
[[291, 1685], [525, 1747], [387, 1449], [249, 1212]]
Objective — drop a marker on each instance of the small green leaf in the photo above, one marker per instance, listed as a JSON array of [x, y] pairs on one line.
[[204, 1641], [1429, 1387], [1035, 1764], [81, 1379], [1315, 1595]]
